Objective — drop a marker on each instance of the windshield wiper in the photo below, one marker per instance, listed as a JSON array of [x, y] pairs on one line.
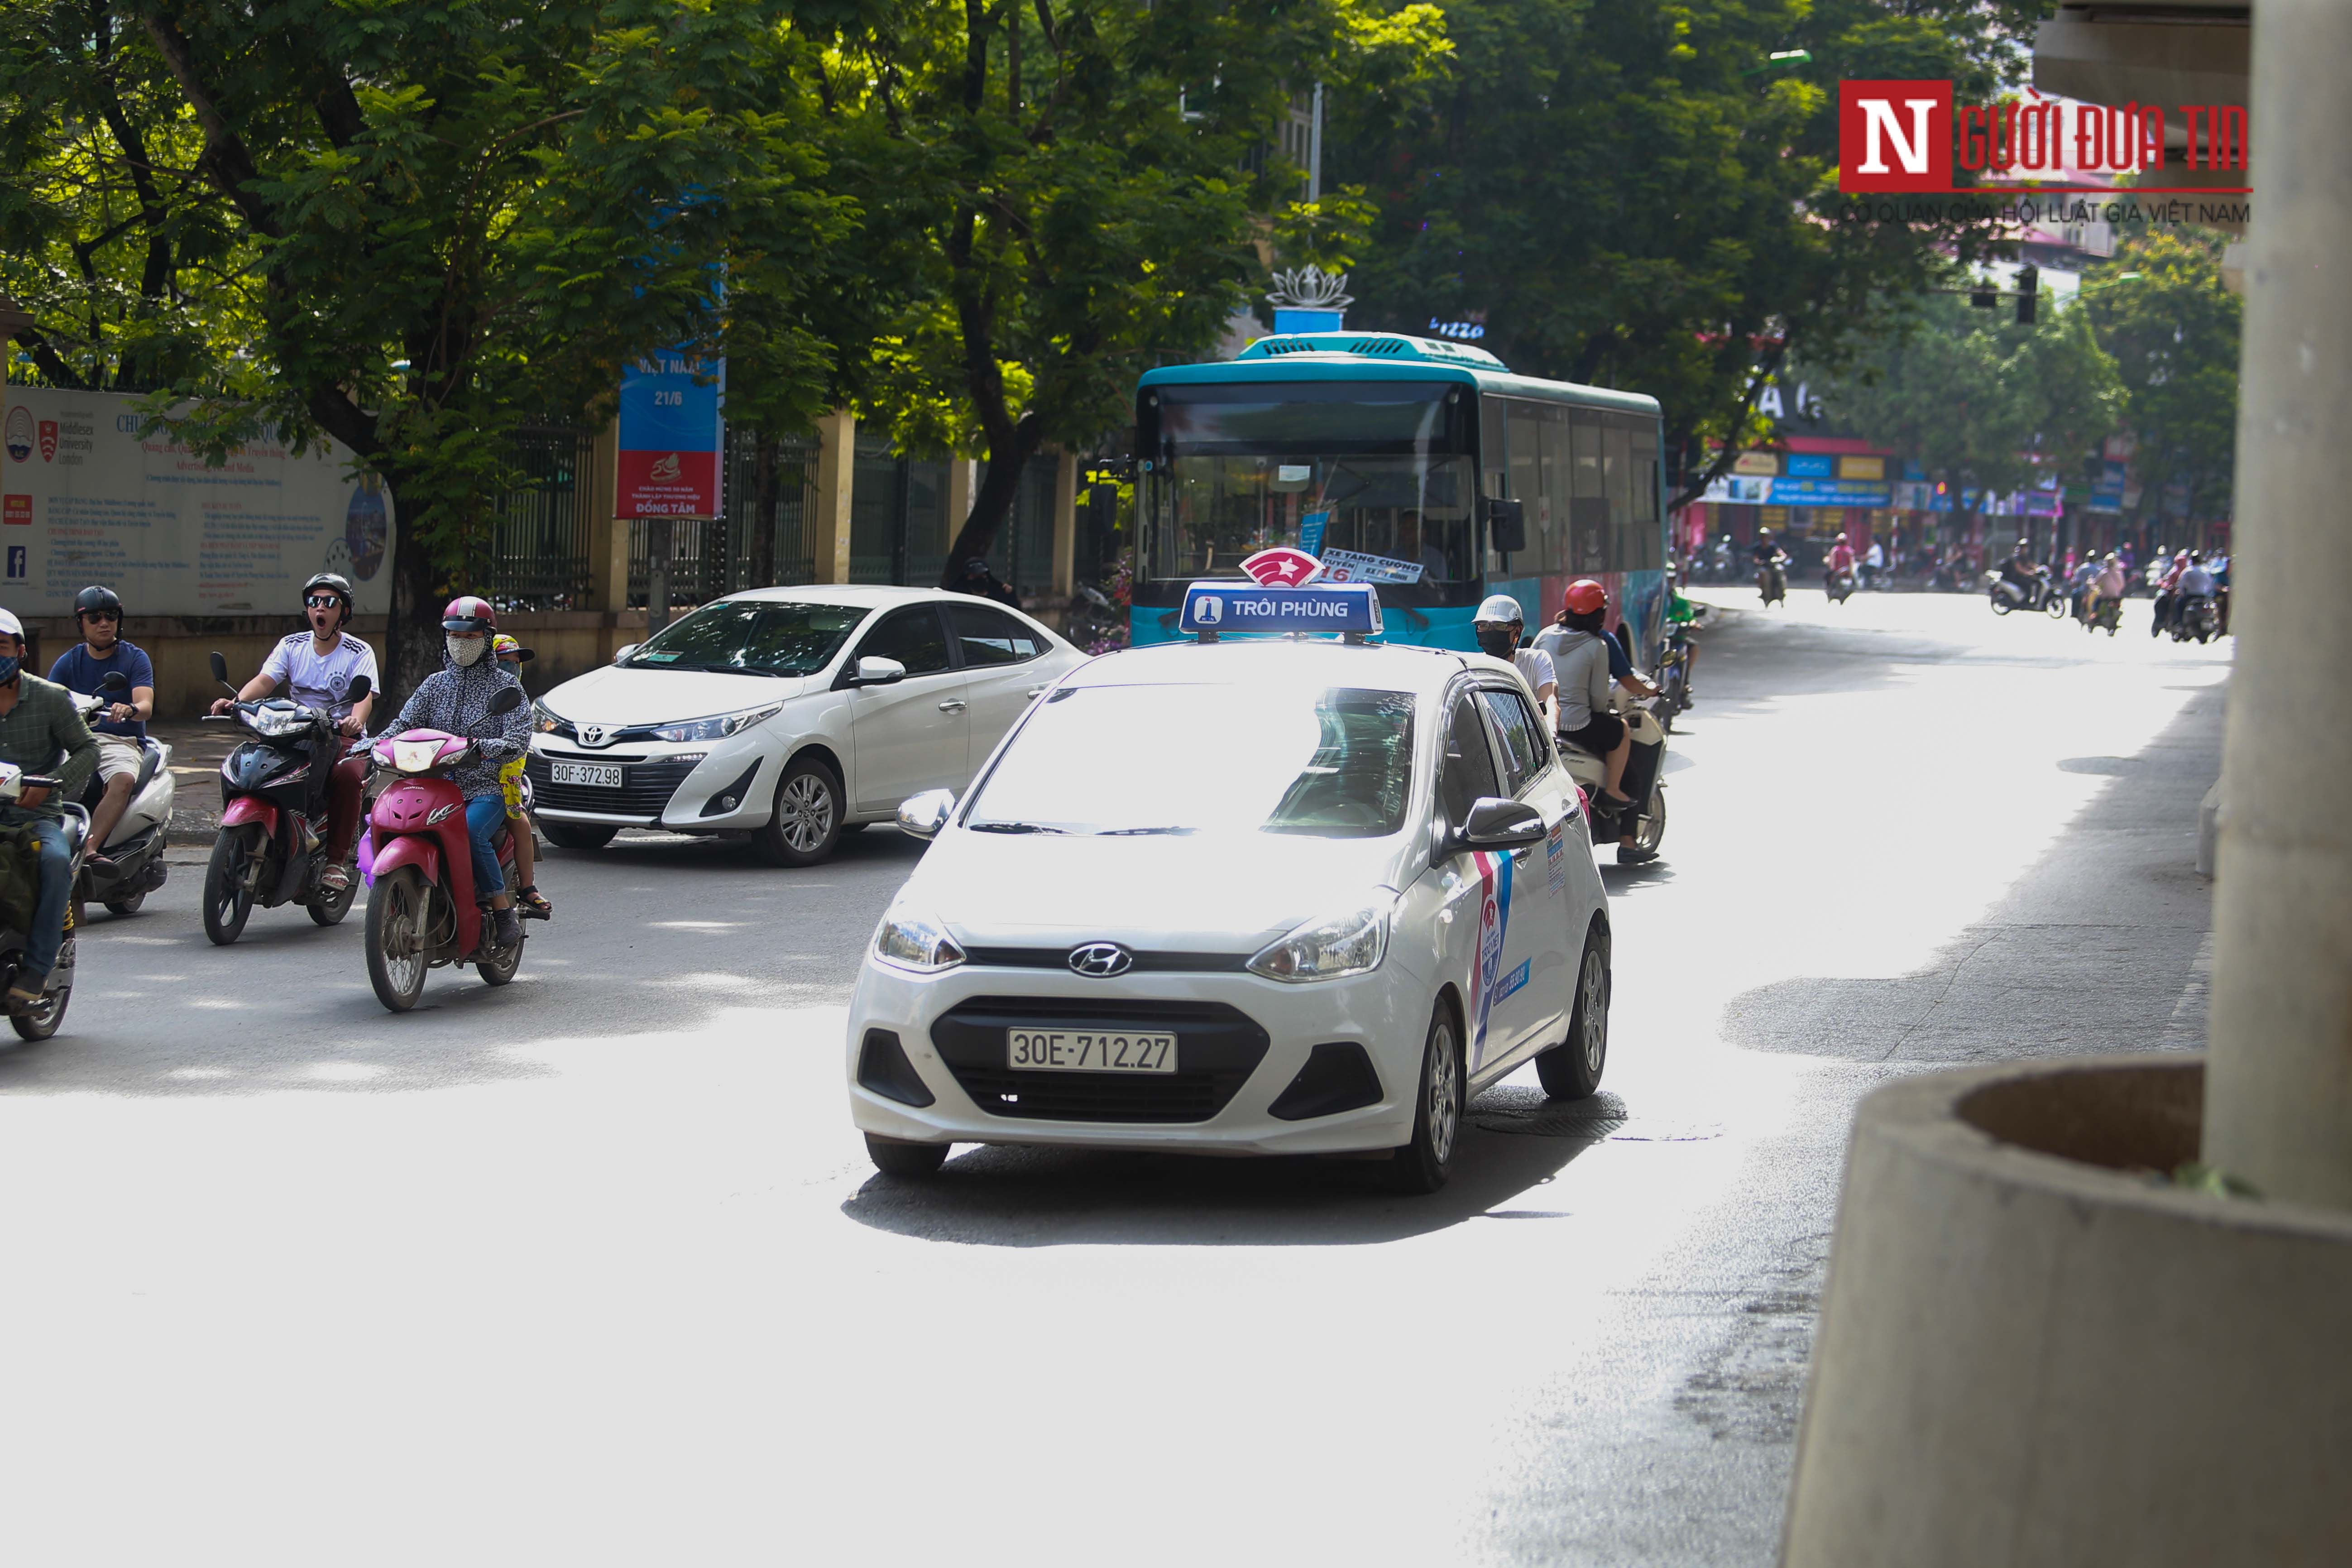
[[1013, 827], [1142, 832]]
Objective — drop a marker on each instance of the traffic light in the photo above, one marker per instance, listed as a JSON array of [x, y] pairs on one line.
[[1984, 297], [2029, 290]]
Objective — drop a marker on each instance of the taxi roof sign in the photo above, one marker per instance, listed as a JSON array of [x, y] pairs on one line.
[[1212, 609]]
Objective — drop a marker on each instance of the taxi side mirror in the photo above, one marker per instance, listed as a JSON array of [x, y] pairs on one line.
[[621, 654], [1498, 824], [924, 814]]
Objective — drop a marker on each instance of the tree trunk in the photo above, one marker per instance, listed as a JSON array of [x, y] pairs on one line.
[[992, 502]]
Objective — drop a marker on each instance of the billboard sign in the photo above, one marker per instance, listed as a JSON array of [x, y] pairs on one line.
[[670, 437], [86, 499]]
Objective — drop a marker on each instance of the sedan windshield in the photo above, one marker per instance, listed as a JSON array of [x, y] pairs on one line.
[[756, 637], [1148, 760]]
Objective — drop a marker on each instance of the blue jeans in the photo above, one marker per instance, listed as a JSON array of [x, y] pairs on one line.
[[57, 885], [482, 819]]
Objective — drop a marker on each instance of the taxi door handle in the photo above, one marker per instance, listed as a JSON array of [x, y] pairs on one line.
[[1037, 691], [952, 705]]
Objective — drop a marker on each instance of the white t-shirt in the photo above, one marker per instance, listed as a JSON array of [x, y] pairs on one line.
[[317, 680], [1536, 668], [1878, 556]]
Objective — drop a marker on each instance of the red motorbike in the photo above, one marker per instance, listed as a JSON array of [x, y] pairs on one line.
[[421, 912]]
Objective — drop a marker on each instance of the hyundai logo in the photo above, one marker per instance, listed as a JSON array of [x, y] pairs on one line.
[[1100, 959], [592, 734]]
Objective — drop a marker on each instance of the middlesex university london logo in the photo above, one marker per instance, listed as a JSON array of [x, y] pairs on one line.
[[1909, 137]]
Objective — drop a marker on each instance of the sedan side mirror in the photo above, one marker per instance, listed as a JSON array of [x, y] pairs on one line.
[[879, 672], [622, 653], [924, 814], [1498, 824]]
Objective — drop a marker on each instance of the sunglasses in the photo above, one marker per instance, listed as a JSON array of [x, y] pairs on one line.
[[324, 602], [99, 615]]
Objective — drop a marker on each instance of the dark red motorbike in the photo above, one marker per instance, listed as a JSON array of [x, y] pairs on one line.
[[422, 911]]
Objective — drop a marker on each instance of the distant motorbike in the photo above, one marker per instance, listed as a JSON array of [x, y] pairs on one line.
[[2194, 616], [269, 851], [1645, 780], [40, 1020], [2109, 617], [1673, 677], [2040, 594], [134, 851], [1840, 586], [1772, 580], [422, 911]]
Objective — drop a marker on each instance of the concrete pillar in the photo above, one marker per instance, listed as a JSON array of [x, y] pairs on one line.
[[2278, 1107], [608, 537], [836, 473], [1065, 514]]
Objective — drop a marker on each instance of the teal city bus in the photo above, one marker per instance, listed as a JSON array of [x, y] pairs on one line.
[[1421, 464]]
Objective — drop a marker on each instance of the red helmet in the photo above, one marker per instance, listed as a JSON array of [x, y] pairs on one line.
[[1585, 595], [468, 614]]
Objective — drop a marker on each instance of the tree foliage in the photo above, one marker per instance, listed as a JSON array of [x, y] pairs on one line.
[[1636, 194], [2174, 330]]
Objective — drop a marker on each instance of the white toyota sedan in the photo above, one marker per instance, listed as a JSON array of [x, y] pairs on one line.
[[793, 714], [1267, 897]]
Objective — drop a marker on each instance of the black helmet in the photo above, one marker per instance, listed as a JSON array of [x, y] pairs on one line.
[[337, 584], [97, 597]]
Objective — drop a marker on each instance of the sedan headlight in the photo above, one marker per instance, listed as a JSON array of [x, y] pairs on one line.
[[911, 943], [1342, 944], [543, 720], [719, 726]]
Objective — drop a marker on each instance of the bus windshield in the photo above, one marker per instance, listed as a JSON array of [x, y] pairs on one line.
[[1376, 478]]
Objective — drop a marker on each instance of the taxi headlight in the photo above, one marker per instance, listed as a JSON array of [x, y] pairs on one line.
[[719, 726], [1349, 943], [911, 943]]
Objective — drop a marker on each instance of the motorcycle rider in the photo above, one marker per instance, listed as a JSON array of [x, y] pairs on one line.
[[102, 650], [1498, 627], [1841, 559], [457, 700], [318, 667], [1585, 722], [2166, 596], [1873, 563], [2195, 583], [38, 722], [1768, 556], [516, 786], [2018, 573], [2107, 582]]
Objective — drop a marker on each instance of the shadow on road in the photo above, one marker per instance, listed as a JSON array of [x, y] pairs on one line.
[[1011, 1197]]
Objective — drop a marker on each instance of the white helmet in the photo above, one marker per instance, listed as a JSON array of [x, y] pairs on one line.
[[1500, 609]]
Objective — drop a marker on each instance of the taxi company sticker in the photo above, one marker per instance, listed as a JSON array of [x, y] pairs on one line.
[[1350, 566], [1513, 980], [1493, 922], [1556, 854]]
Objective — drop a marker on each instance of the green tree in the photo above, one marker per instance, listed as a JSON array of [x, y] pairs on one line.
[[1080, 191], [2173, 331], [1636, 194], [427, 223]]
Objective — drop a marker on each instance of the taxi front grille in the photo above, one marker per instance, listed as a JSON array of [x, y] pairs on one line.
[[1217, 1049]]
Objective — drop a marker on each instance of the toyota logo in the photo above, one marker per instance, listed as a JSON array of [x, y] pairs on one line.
[[1100, 959], [592, 734]]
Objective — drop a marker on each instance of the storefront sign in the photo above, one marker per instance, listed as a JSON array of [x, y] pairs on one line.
[[1765, 463], [1830, 492], [1809, 466], [87, 498], [1859, 467]]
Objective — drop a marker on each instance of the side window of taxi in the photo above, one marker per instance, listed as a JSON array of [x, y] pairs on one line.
[[913, 636], [1469, 770], [1522, 741], [992, 637]]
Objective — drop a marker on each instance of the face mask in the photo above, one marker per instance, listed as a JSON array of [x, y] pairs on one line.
[[468, 650], [9, 668], [1501, 641]]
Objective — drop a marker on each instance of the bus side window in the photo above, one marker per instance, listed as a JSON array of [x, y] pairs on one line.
[[1527, 481], [1554, 548], [1617, 467], [1590, 507]]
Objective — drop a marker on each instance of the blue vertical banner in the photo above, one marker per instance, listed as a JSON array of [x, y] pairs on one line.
[[670, 437]]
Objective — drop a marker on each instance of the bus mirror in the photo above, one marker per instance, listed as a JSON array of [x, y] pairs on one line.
[[1506, 525]]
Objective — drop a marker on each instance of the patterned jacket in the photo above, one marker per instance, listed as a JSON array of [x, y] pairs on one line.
[[457, 700]]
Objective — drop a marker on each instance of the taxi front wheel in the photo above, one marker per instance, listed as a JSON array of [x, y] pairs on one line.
[[1422, 1165], [897, 1157]]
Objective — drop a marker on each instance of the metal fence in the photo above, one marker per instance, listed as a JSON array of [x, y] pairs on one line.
[[536, 557], [740, 548]]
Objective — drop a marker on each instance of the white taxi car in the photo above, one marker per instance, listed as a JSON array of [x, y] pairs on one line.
[[793, 714], [1289, 897]]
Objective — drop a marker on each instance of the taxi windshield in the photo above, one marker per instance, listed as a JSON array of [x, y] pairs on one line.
[[756, 637], [1143, 760]]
